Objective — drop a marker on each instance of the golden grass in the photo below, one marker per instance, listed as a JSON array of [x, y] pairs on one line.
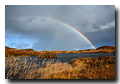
[[81, 68], [89, 68], [10, 52], [15, 68]]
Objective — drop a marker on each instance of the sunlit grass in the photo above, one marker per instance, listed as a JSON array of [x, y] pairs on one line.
[[15, 68], [81, 68], [89, 68]]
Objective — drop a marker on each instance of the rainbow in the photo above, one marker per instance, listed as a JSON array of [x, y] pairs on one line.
[[63, 24], [93, 22]]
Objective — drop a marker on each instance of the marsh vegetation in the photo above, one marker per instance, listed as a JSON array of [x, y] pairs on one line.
[[80, 68]]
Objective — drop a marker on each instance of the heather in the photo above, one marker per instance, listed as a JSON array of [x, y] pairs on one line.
[[15, 68], [12, 52], [89, 68], [80, 68], [47, 54]]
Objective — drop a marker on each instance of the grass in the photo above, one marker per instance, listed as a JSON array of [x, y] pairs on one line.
[[15, 68], [81, 68], [12, 52], [47, 54], [89, 68]]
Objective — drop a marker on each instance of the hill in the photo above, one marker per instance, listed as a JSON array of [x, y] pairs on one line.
[[102, 49], [106, 47], [31, 52], [19, 52], [12, 52]]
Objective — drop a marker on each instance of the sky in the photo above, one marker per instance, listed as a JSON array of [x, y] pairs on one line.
[[51, 27]]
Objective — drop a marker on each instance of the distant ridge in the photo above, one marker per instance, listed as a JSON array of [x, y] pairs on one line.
[[7, 48], [101, 49], [106, 47]]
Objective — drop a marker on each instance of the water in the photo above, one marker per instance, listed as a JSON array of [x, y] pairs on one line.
[[25, 64], [67, 57]]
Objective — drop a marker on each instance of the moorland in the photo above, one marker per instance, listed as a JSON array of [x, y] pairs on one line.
[[12, 52], [80, 68]]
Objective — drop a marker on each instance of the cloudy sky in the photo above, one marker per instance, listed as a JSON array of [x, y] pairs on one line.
[[49, 27]]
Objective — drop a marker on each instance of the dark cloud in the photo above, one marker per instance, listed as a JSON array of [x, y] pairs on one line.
[[27, 21], [103, 37]]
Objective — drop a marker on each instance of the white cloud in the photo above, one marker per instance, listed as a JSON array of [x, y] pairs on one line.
[[45, 32], [99, 27], [20, 46], [108, 25], [12, 45], [76, 49]]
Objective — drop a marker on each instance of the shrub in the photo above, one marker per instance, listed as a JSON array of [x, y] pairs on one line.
[[47, 54]]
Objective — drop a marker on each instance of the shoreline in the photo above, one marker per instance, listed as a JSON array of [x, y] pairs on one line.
[[79, 68], [102, 67], [30, 52]]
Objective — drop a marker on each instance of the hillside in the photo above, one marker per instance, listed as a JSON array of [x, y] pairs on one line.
[[19, 52], [106, 47], [12, 52], [102, 49], [31, 52]]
